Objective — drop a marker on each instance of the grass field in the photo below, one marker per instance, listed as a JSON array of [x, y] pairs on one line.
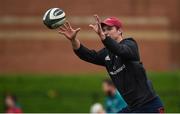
[[76, 93]]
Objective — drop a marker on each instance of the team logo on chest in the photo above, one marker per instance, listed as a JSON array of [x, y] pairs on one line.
[[118, 70], [107, 58]]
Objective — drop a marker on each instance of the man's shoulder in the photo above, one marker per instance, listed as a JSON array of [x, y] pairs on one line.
[[129, 39]]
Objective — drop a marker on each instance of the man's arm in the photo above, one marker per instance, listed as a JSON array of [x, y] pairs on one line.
[[75, 44], [87, 55], [90, 56], [81, 51]]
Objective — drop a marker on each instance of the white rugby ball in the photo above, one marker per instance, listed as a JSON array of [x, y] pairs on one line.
[[54, 18]]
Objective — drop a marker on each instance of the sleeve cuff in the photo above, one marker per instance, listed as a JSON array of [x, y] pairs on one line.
[[79, 49], [106, 40]]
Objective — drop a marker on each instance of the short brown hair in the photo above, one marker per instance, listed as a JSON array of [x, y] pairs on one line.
[[108, 81]]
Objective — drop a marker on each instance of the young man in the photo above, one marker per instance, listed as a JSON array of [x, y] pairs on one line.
[[114, 101], [121, 58]]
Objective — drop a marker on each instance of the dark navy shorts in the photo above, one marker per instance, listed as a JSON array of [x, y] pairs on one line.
[[154, 106]]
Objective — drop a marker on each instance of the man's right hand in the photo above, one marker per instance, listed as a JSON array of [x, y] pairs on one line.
[[68, 31], [70, 34]]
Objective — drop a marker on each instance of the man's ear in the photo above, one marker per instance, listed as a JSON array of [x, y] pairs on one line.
[[120, 31]]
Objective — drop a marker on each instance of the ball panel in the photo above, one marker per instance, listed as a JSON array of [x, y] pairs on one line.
[[52, 16], [59, 23], [57, 12], [45, 15], [47, 20]]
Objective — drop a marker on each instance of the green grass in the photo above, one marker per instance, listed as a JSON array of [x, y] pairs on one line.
[[76, 93]]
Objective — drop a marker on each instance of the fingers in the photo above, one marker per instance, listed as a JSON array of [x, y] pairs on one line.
[[65, 25], [68, 24], [77, 30], [98, 22], [99, 26], [61, 32], [92, 26], [97, 18], [62, 28]]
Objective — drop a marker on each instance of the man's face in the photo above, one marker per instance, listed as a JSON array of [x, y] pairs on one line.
[[111, 31], [9, 101], [108, 89]]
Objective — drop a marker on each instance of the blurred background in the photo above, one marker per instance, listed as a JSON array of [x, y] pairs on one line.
[[39, 67]]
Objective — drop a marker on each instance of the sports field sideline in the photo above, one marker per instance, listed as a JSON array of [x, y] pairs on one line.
[[76, 93]]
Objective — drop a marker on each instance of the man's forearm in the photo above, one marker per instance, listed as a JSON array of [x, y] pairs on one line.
[[75, 44]]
